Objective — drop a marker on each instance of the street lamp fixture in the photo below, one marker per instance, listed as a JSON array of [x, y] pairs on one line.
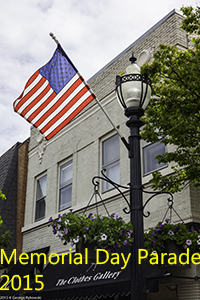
[[133, 89], [133, 92]]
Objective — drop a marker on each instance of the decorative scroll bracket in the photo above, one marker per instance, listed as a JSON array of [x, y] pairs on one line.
[[128, 209]]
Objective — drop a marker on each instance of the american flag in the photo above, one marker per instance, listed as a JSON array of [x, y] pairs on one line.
[[53, 95]]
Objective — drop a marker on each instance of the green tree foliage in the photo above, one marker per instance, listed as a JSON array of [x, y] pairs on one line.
[[4, 237], [173, 114]]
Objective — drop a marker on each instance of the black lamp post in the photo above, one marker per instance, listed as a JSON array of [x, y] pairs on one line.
[[134, 92]]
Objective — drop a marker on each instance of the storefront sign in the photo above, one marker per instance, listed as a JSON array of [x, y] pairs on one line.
[[106, 275]]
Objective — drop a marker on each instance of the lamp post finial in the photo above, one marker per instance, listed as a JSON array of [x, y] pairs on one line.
[[133, 59]]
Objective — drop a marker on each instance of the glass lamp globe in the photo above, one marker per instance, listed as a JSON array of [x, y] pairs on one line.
[[133, 89]]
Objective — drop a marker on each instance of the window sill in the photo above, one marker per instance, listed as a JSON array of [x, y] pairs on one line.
[[61, 209], [39, 219], [158, 169]]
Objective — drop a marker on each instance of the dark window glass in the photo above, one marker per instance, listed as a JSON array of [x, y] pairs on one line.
[[40, 198], [65, 185], [149, 152], [111, 161]]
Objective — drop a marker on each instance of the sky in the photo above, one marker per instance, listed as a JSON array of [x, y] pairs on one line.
[[92, 33]]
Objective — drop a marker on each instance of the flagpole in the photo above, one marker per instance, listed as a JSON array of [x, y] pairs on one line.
[[54, 38], [108, 117]]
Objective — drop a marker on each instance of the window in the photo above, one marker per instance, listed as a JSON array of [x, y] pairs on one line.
[[40, 198], [110, 161], [149, 152], [65, 185]]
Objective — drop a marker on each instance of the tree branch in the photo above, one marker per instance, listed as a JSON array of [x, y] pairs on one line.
[[183, 83]]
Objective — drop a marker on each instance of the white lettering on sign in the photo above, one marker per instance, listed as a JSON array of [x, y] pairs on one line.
[[85, 278], [106, 275], [73, 280], [61, 282]]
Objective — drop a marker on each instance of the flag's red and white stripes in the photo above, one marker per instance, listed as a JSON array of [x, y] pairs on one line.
[[48, 111]]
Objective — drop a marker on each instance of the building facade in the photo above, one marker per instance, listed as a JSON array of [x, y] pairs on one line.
[[60, 171], [13, 175]]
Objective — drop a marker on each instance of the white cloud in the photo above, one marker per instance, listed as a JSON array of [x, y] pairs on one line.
[[91, 32]]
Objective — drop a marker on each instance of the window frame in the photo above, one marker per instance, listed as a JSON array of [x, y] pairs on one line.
[[105, 185], [68, 184], [145, 145], [40, 198]]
